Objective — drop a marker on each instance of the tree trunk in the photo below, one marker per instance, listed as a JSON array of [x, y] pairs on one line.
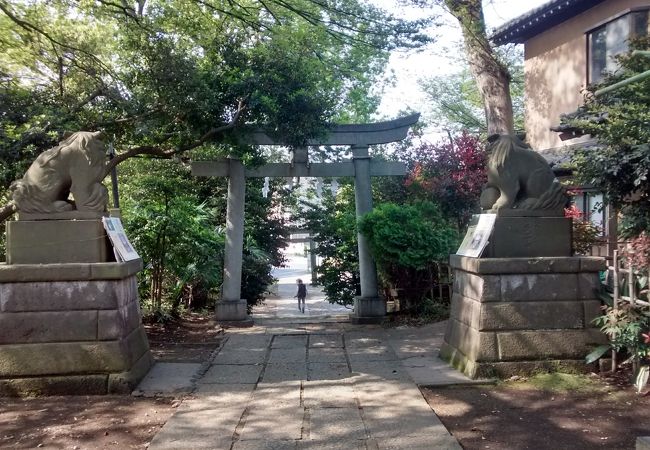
[[491, 76]]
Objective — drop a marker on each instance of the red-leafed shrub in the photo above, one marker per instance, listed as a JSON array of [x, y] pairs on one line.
[[451, 174]]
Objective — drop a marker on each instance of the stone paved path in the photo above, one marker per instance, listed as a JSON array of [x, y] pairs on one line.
[[292, 382], [282, 305]]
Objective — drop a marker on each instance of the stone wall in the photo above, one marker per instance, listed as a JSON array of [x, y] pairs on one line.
[[521, 315], [71, 329]]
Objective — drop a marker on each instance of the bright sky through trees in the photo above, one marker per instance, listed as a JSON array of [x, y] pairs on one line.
[[443, 57]]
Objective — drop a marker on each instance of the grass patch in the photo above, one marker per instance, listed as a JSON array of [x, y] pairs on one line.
[[557, 382]]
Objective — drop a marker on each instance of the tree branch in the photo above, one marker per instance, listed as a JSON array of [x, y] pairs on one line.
[[7, 211], [168, 153]]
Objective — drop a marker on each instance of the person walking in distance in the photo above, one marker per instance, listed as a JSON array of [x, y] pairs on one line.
[[302, 293]]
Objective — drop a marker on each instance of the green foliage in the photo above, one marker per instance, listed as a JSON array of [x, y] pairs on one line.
[[266, 233], [176, 223], [333, 227], [168, 73], [625, 325], [406, 242], [410, 236], [433, 311], [408, 233], [174, 234], [620, 164], [165, 75], [584, 233]]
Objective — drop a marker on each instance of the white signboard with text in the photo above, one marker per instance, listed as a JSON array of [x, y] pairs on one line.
[[477, 236], [124, 251]]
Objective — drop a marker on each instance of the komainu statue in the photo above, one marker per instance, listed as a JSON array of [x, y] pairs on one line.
[[520, 178], [75, 166]]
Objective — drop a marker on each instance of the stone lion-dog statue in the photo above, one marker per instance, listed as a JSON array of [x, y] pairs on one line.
[[520, 178], [75, 166]]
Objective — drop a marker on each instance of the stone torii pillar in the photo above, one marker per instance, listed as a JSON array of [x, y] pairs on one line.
[[369, 307], [232, 308]]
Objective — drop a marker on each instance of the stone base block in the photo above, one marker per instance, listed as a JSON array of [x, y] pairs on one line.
[[125, 382], [521, 237], [505, 369], [57, 241], [91, 384], [643, 443], [55, 385], [368, 310], [80, 336], [513, 316], [233, 313]]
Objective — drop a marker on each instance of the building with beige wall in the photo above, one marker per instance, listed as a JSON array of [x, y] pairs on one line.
[[567, 44]]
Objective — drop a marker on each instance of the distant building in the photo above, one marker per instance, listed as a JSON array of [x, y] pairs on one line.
[[567, 45]]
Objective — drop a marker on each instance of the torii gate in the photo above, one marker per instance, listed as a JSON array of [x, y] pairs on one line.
[[368, 308]]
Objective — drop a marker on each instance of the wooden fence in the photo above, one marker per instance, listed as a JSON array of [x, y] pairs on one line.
[[624, 280]]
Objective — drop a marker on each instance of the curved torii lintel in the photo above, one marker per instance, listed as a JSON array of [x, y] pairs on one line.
[[361, 134]]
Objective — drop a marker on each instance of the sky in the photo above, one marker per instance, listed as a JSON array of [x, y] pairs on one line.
[[444, 56]]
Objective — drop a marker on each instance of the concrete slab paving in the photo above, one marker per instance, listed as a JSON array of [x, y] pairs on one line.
[[336, 425], [301, 382], [328, 371], [329, 394], [247, 339], [326, 340], [196, 429], [391, 394], [380, 369], [232, 374], [327, 354], [225, 394], [290, 341], [297, 354], [285, 372], [283, 393], [279, 423], [357, 339], [169, 378], [241, 356], [389, 423], [372, 353], [437, 442], [328, 445], [258, 444]]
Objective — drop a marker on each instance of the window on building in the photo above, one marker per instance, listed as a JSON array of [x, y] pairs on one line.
[[611, 39], [591, 204]]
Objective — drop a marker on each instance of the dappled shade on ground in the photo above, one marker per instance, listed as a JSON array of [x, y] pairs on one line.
[[81, 421], [520, 416]]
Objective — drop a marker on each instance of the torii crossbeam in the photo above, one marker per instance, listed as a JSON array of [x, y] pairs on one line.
[[368, 308]]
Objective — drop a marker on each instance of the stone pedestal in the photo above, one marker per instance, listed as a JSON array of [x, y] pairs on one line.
[[57, 241], [71, 329], [513, 316], [233, 313], [529, 236], [368, 310]]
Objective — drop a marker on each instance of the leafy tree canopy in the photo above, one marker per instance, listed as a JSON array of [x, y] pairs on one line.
[[168, 76]]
